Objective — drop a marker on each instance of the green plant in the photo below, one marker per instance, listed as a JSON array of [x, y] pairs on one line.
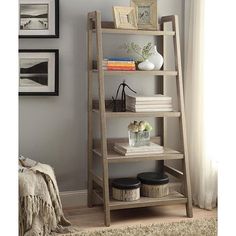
[[139, 126], [143, 52]]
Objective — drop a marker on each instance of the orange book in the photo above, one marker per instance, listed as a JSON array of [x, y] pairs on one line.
[[121, 64], [120, 68]]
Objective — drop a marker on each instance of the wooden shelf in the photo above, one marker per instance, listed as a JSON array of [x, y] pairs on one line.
[[110, 114], [140, 72], [136, 32], [115, 157], [103, 108], [172, 198]]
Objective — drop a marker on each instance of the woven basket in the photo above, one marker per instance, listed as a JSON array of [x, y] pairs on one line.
[[154, 191], [126, 194]]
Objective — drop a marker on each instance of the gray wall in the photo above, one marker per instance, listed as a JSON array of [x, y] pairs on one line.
[[53, 130]]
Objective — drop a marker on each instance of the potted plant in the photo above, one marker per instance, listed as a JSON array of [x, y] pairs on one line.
[[143, 53], [139, 133]]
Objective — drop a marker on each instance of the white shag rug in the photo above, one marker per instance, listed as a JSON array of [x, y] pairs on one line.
[[202, 227]]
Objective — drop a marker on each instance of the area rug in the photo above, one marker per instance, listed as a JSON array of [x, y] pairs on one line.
[[203, 227]]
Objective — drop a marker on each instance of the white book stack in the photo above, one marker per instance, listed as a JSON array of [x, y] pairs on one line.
[[126, 150], [157, 102]]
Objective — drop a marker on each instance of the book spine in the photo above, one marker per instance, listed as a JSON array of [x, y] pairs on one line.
[[119, 59], [149, 103], [150, 106], [120, 68], [142, 99], [120, 64], [148, 109]]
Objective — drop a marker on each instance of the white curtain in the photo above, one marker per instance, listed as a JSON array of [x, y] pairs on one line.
[[202, 154]]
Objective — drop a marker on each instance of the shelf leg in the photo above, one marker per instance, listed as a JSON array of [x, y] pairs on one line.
[[106, 197], [180, 93], [90, 113], [103, 128]]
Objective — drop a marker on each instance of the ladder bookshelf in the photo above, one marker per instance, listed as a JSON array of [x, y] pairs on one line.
[[98, 186]]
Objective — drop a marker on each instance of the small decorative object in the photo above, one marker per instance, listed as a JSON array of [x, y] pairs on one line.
[[146, 11], [38, 72], [126, 189], [146, 65], [157, 59], [125, 17], [39, 19], [139, 133], [154, 184], [122, 107]]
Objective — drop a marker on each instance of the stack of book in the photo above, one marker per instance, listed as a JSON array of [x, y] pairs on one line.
[[154, 103], [118, 63], [126, 150]]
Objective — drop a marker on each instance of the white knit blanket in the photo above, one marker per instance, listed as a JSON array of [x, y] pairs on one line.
[[40, 209]]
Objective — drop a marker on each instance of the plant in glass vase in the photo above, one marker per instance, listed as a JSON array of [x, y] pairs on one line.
[[139, 133]]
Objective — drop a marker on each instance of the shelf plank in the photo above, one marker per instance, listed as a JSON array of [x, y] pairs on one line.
[[137, 32], [139, 72], [110, 114], [108, 27], [172, 198], [115, 157]]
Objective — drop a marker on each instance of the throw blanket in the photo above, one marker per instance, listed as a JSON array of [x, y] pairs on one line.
[[40, 209]]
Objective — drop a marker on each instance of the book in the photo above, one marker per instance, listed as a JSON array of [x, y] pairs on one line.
[[119, 59], [125, 149], [119, 68], [149, 106], [132, 103], [148, 109], [120, 62], [157, 97], [137, 153], [149, 103]]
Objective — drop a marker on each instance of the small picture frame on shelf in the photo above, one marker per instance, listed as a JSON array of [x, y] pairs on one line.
[[39, 18], [125, 17], [38, 72], [146, 12]]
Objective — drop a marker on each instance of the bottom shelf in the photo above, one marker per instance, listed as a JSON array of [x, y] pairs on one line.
[[172, 198]]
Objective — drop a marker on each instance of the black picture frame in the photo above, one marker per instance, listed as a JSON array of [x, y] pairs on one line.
[[29, 56], [56, 20]]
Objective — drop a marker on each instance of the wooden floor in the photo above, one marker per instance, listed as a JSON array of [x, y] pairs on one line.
[[92, 218]]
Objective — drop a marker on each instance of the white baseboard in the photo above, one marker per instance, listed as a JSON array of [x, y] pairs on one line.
[[76, 198]]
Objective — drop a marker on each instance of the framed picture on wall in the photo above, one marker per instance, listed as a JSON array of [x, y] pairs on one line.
[[125, 17], [38, 72], [146, 11], [39, 19]]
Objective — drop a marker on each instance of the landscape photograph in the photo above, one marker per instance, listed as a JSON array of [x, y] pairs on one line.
[[33, 16], [33, 72]]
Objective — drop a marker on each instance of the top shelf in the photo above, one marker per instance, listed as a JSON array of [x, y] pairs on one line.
[[137, 32], [108, 28]]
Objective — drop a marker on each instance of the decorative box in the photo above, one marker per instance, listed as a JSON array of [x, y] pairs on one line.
[[154, 184], [126, 189]]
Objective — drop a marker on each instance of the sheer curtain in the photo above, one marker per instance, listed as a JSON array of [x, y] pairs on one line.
[[202, 154]]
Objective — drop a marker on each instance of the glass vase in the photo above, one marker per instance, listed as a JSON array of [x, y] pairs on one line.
[[137, 139]]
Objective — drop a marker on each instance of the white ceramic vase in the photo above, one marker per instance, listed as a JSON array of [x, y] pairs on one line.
[[146, 65], [156, 59]]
